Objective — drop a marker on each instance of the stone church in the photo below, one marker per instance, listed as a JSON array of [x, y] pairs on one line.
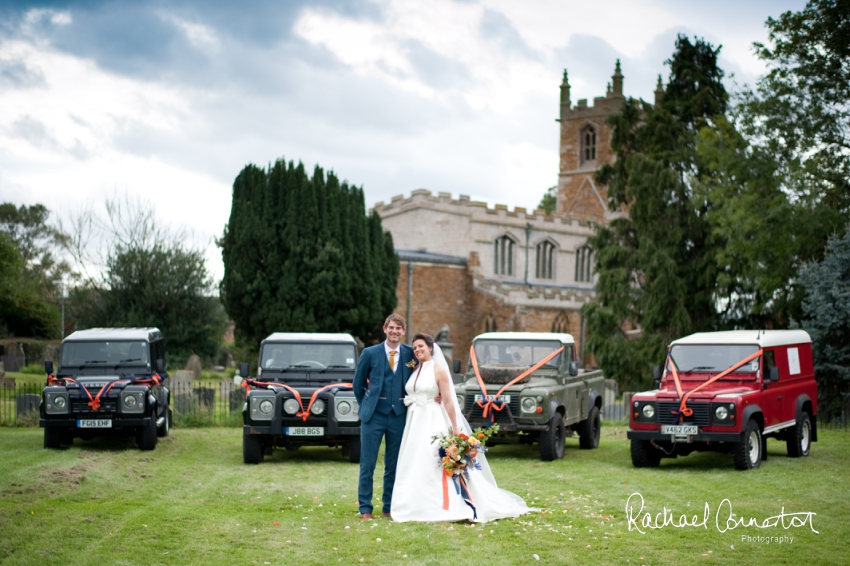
[[472, 268]]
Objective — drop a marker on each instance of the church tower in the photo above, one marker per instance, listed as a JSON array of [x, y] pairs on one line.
[[585, 146]]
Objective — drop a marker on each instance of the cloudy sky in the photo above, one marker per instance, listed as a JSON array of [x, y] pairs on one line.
[[169, 100]]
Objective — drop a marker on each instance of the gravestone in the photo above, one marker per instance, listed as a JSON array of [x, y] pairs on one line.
[[233, 393], [7, 383], [194, 366], [610, 408], [205, 398], [181, 384], [27, 405]]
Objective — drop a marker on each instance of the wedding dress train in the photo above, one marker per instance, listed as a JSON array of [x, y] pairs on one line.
[[418, 492]]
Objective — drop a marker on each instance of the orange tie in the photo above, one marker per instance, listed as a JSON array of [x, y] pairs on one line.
[[392, 360]]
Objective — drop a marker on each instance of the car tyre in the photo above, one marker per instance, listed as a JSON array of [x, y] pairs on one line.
[[800, 441], [52, 438], [552, 441], [163, 431], [252, 448], [644, 454], [589, 430], [146, 437], [747, 453], [354, 450]]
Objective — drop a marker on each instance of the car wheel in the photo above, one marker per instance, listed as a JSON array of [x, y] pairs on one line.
[[552, 440], [800, 441], [146, 437], [52, 438], [166, 426], [252, 449], [644, 454], [354, 450], [747, 453], [589, 430]]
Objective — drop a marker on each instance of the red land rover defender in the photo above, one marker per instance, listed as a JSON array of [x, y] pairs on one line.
[[728, 392]]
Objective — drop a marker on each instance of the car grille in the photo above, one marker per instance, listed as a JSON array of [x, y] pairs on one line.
[[305, 400], [667, 412], [478, 412], [81, 406]]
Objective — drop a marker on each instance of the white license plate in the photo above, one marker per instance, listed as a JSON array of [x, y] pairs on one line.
[[679, 429], [305, 431], [503, 398], [94, 423]]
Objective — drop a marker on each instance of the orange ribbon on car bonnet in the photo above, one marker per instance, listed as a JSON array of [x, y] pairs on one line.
[[487, 404], [685, 411]]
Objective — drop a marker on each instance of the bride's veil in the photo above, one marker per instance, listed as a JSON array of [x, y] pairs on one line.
[[440, 359]]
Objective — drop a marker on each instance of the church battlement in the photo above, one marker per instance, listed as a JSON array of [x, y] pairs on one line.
[[442, 201]]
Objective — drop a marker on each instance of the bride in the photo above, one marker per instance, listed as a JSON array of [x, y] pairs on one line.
[[418, 493]]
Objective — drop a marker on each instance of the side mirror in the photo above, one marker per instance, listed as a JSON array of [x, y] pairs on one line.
[[774, 373], [456, 366], [656, 374], [573, 369], [243, 370], [160, 365], [48, 367]]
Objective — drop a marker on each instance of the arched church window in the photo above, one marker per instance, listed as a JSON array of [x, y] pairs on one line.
[[504, 256], [545, 260], [561, 323], [588, 144], [584, 265]]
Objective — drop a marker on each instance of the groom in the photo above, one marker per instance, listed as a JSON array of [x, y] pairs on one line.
[[379, 380]]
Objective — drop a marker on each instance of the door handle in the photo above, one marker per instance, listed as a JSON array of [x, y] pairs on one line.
[[779, 398]]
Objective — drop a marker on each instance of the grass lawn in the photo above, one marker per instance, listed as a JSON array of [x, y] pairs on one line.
[[192, 501]]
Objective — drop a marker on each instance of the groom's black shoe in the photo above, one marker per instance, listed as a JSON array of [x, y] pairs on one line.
[[365, 516]]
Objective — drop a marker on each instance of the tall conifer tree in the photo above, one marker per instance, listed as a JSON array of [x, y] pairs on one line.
[[655, 265], [300, 254]]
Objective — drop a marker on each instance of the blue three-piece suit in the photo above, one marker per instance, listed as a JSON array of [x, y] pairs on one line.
[[379, 390]]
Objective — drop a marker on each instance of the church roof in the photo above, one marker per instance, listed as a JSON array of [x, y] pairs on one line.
[[424, 256]]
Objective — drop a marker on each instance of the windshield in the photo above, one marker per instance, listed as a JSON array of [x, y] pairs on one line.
[[109, 353], [314, 356], [525, 353], [713, 358]]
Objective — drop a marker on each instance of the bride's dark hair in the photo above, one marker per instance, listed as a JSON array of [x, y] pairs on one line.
[[429, 340]]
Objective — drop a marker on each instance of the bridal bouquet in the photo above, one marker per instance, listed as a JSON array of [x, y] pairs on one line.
[[458, 452]]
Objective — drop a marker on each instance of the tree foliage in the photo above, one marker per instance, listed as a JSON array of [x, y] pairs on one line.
[[23, 312], [826, 312], [32, 267], [140, 273], [163, 286], [301, 254], [549, 201], [779, 175], [655, 264]]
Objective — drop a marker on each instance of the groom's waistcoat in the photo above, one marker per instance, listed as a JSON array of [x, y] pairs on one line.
[[391, 390], [374, 378]]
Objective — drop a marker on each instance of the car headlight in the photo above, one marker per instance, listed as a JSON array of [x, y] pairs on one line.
[[318, 407], [528, 404], [343, 408], [721, 413], [266, 406], [460, 401], [648, 411], [132, 402], [56, 402], [291, 406]]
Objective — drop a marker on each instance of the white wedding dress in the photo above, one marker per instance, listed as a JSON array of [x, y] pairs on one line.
[[418, 491]]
